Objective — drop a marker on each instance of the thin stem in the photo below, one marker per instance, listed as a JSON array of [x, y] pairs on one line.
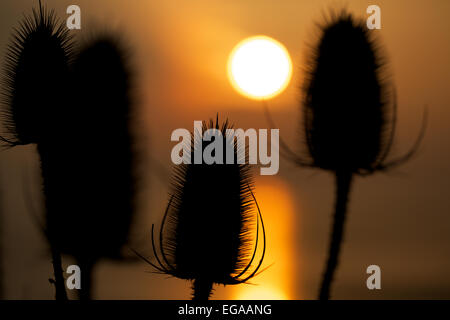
[[343, 184], [202, 290], [60, 286]]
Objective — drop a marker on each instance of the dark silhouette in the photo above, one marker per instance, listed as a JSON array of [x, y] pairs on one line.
[[77, 109], [348, 116], [94, 165], [205, 234], [36, 73]]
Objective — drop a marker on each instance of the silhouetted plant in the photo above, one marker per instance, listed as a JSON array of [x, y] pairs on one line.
[[348, 116], [36, 73], [209, 220], [93, 166], [1, 255]]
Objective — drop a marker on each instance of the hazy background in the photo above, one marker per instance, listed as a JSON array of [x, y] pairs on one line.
[[399, 221]]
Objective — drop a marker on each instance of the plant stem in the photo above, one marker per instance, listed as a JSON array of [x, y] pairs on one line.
[[60, 286], [202, 290], [343, 184]]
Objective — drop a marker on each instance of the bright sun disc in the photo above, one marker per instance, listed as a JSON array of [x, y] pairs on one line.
[[259, 67]]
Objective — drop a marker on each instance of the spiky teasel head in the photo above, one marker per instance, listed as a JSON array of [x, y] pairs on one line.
[[349, 113], [210, 217], [36, 74]]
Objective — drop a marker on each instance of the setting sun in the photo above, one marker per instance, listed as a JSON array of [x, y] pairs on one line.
[[259, 67]]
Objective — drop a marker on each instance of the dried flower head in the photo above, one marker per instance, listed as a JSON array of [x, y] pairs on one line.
[[349, 109], [95, 155]]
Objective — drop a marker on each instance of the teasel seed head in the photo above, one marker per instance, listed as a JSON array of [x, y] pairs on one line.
[[36, 74], [206, 231], [349, 103]]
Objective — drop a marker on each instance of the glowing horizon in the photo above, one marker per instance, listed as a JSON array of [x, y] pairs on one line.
[[279, 281]]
